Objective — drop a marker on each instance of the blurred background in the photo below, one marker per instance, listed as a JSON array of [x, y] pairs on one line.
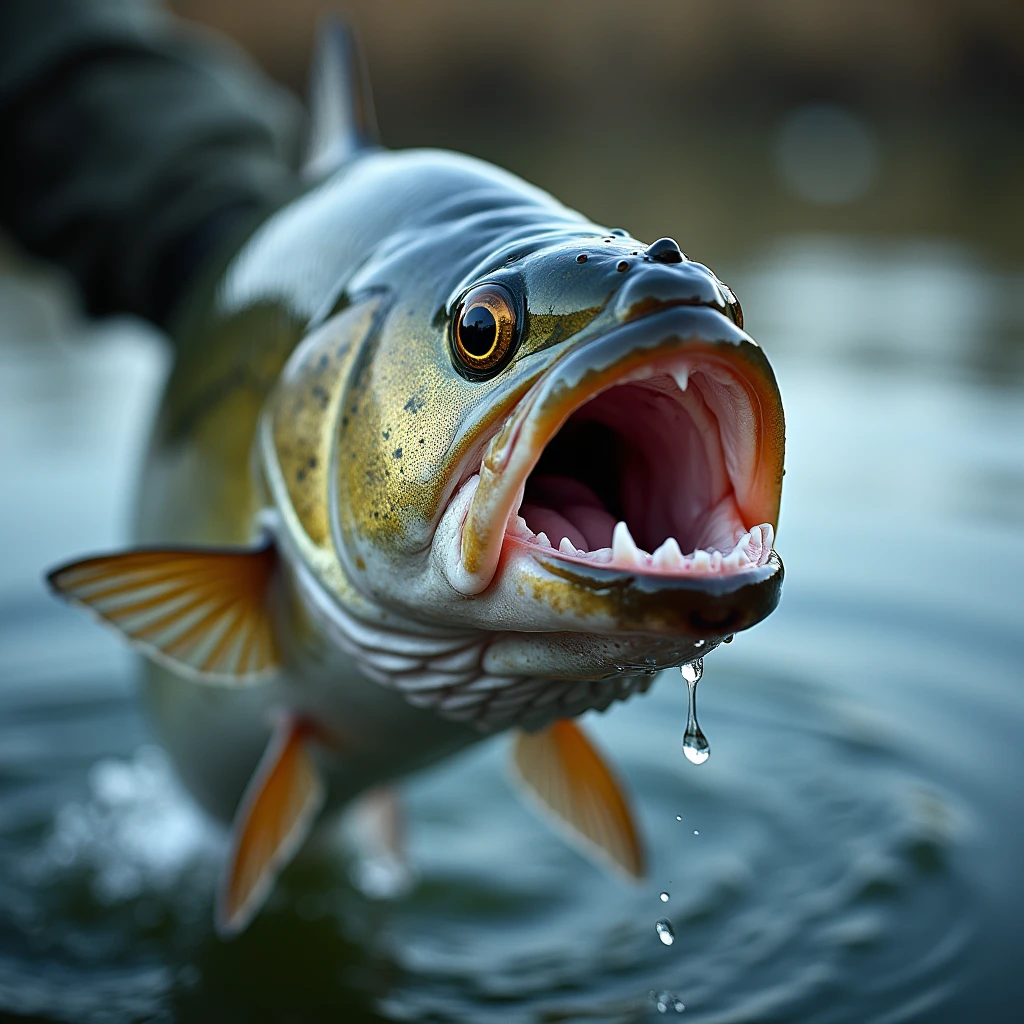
[[852, 849]]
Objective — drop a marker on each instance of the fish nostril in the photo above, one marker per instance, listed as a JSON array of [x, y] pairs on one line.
[[664, 250], [656, 286]]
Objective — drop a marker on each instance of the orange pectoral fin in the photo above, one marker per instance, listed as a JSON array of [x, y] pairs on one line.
[[276, 814], [204, 612], [571, 782]]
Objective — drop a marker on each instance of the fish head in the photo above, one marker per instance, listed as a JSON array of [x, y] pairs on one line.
[[575, 448]]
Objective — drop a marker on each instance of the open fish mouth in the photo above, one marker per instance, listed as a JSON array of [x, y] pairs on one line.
[[655, 450]]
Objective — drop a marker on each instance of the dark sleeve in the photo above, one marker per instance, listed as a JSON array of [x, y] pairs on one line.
[[133, 147]]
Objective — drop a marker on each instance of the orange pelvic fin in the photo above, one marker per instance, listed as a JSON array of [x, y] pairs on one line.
[[276, 814], [563, 773], [203, 612]]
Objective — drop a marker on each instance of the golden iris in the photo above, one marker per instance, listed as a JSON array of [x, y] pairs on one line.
[[485, 328]]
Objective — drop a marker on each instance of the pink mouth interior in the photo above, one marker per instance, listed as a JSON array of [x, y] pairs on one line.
[[651, 455]]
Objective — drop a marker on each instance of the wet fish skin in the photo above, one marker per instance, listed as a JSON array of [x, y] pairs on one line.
[[316, 405]]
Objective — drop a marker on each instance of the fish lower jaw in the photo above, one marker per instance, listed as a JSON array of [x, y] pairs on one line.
[[751, 549]]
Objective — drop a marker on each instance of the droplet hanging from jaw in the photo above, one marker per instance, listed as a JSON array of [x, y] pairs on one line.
[[695, 744]]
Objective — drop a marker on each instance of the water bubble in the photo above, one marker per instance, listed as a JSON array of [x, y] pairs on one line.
[[695, 744], [696, 832], [664, 897], [665, 931], [679, 817]]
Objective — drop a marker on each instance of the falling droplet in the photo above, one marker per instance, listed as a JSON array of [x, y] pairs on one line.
[[665, 931], [695, 744], [679, 817], [664, 897], [695, 832], [693, 671], [665, 1001]]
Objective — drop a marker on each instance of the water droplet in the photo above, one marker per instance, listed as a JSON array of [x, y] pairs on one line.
[[664, 897], [666, 1001], [696, 833], [695, 744], [665, 931], [679, 817]]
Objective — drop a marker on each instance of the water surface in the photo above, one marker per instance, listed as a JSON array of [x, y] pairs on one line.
[[850, 851]]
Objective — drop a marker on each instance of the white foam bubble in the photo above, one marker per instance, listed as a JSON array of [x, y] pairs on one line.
[[138, 831]]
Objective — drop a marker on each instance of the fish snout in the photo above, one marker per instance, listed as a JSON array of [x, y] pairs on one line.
[[662, 276]]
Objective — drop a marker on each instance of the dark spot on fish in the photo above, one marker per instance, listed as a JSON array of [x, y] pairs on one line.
[[413, 405], [323, 362], [344, 422], [360, 564], [300, 475], [582, 258], [622, 266], [386, 435], [320, 394], [422, 440], [312, 462], [397, 453]]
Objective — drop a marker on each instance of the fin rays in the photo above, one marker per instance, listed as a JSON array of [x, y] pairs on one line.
[[204, 612], [568, 778], [277, 811]]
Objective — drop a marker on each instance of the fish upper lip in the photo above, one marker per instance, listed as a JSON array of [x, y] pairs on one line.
[[632, 351]]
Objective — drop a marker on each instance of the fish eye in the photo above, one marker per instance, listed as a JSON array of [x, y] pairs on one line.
[[485, 329]]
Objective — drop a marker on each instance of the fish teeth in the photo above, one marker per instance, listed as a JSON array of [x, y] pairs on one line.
[[542, 539], [701, 559], [600, 555], [681, 375], [668, 556], [519, 528], [736, 558], [566, 546], [624, 549]]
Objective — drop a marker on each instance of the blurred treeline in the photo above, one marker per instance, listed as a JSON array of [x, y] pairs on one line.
[[664, 114]]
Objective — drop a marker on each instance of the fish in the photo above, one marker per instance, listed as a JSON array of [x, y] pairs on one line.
[[438, 459]]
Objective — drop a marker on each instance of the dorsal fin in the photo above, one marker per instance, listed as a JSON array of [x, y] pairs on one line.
[[343, 121]]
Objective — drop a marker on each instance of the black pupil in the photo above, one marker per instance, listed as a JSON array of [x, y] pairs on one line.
[[477, 331]]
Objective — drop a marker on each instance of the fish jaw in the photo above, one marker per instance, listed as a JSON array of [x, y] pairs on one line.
[[687, 547]]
